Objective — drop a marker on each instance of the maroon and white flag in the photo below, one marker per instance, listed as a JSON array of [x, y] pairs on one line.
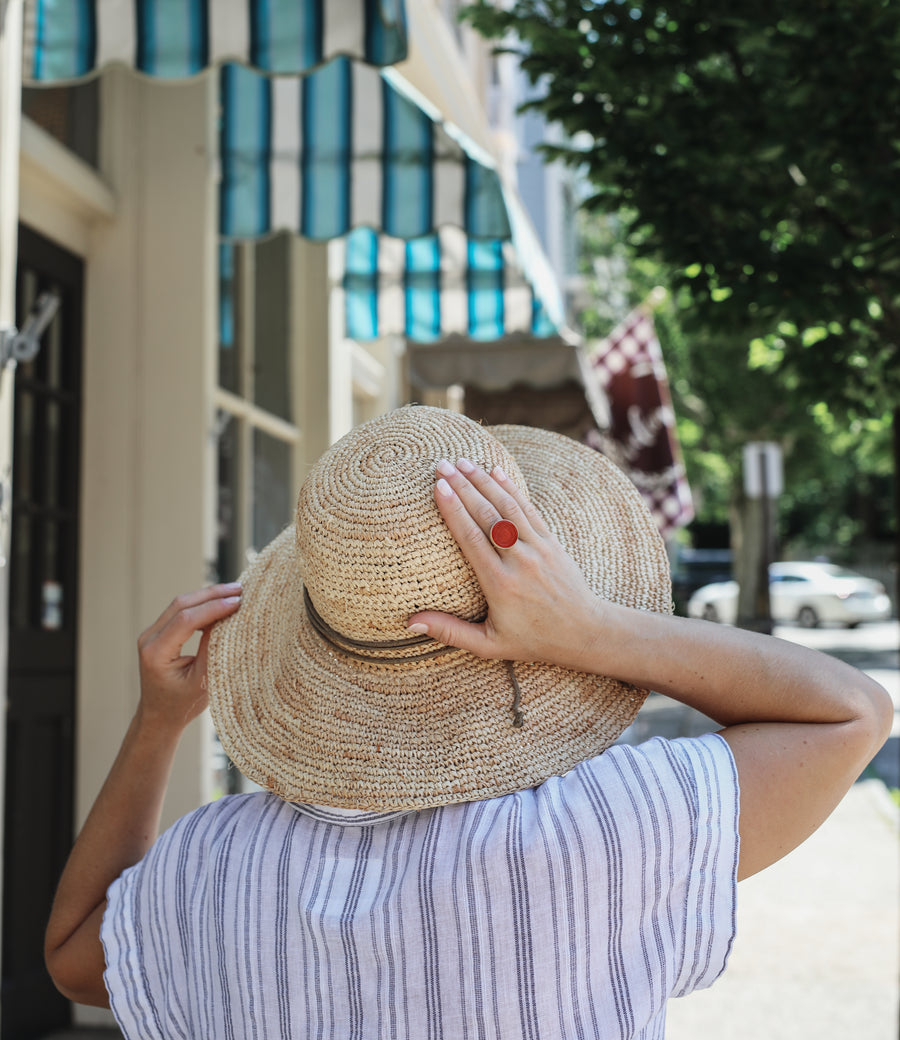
[[641, 438]]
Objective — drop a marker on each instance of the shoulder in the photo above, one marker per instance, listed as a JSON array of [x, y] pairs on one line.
[[691, 783], [202, 833], [660, 766]]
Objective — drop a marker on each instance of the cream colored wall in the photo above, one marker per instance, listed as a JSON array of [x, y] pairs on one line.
[[148, 379], [315, 370], [146, 229]]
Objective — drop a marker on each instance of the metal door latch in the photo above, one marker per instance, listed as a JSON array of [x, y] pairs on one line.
[[23, 344]]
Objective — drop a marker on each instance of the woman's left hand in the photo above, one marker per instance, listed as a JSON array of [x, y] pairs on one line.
[[173, 684]]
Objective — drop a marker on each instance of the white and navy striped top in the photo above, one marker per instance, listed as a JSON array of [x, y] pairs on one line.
[[575, 909]]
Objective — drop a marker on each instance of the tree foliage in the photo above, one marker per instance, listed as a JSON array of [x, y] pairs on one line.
[[756, 147], [838, 467]]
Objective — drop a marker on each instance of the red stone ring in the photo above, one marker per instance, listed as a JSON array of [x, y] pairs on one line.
[[504, 534]]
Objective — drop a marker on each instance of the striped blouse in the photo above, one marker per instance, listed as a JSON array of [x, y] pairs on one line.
[[574, 909]]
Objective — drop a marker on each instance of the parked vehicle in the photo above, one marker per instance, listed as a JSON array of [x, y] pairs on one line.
[[693, 568], [806, 594]]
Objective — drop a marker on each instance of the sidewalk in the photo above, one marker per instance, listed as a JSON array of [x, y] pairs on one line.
[[817, 953]]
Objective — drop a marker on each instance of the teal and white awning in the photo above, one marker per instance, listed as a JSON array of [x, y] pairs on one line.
[[334, 145], [343, 148], [431, 288], [68, 39]]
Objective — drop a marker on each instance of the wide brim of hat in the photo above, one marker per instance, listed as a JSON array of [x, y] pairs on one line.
[[312, 725]]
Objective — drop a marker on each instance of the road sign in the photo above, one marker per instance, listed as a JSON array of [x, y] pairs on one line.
[[763, 473]]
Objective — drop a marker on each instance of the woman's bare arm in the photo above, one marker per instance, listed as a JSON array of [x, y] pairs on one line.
[[801, 725], [124, 820]]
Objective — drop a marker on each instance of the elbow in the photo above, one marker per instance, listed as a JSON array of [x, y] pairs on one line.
[[875, 719], [76, 979], [885, 712]]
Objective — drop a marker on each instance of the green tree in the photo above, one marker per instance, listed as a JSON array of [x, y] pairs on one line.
[[754, 150], [837, 467]]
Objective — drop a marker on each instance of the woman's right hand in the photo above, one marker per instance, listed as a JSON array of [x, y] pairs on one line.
[[801, 725], [540, 608]]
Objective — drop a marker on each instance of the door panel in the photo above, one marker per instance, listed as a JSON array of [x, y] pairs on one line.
[[42, 637]]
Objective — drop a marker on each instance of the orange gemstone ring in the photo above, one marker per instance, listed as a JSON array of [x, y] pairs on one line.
[[504, 534]]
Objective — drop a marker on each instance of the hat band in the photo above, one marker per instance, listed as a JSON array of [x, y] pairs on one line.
[[356, 648]]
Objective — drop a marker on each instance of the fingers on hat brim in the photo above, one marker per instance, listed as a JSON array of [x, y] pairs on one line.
[[198, 609], [509, 500], [486, 500]]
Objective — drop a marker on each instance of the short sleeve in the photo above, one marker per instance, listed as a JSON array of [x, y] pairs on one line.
[[148, 943], [710, 895], [130, 1000], [665, 812]]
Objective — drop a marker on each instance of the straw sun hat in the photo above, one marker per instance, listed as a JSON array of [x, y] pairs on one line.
[[307, 712]]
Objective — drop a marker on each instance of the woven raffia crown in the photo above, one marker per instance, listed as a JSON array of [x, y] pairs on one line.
[[368, 545]]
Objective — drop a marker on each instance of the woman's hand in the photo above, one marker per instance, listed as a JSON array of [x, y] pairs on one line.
[[540, 608], [124, 821], [173, 684]]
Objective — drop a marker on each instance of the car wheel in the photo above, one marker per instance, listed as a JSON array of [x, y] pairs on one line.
[[807, 618], [710, 613]]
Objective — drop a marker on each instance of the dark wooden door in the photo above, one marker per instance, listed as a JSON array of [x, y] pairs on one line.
[[42, 637]]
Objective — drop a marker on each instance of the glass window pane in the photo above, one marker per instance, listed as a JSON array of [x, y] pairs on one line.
[[272, 493], [271, 327], [229, 357], [51, 573], [71, 114], [228, 548], [56, 368], [27, 292], [51, 467], [20, 572]]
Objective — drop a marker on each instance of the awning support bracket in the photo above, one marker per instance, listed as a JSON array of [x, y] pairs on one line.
[[23, 344]]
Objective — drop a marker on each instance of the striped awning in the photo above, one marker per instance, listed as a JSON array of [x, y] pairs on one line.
[[68, 39], [343, 148], [440, 285]]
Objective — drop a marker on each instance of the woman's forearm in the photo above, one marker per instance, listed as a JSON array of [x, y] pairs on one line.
[[124, 821], [728, 674], [121, 827]]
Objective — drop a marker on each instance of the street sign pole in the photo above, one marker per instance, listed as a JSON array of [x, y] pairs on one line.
[[763, 483]]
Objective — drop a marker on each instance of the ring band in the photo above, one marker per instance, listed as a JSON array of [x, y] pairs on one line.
[[503, 534]]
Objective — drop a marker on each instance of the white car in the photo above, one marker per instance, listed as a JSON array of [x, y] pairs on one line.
[[806, 594]]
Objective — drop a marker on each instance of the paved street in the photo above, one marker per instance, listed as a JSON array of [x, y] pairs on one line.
[[817, 955]]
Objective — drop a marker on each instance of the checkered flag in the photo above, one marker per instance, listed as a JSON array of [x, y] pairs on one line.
[[628, 370]]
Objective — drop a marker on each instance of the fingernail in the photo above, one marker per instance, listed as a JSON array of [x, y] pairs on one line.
[[499, 473], [236, 585], [464, 466], [418, 628], [444, 488], [446, 468], [230, 601]]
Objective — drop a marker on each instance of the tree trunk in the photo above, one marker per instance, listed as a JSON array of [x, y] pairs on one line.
[[753, 546], [896, 427]]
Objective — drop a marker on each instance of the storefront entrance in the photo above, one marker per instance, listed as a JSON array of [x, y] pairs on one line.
[[42, 636]]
